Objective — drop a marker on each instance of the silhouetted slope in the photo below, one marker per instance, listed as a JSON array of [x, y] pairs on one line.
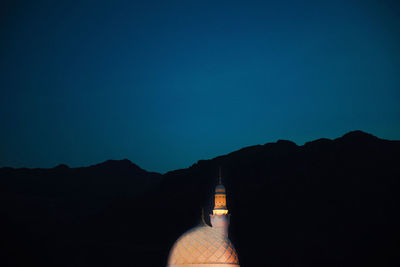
[[44, 210], [326, 203]]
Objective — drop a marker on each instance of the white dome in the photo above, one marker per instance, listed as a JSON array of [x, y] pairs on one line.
[[203, 245]]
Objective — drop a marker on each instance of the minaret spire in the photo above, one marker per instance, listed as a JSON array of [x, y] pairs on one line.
[[220, 176]]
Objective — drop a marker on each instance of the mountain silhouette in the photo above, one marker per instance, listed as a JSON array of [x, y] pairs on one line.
[[325, 203]]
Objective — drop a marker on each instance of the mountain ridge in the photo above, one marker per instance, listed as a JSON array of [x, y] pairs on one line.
[[124, 163], [327, 202]]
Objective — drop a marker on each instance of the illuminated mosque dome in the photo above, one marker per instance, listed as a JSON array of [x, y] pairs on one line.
[[205, 246]]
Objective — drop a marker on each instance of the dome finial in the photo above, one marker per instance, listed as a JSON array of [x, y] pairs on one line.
[[220, 176]]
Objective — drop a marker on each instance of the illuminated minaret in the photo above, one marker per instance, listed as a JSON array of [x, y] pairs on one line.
[[220, 217]]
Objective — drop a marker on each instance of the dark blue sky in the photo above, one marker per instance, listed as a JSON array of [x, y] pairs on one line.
[[167, 83]]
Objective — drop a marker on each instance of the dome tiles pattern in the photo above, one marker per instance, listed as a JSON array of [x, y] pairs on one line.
[[203, 245]]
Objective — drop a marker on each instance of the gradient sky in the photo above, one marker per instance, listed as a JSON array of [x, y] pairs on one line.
[[167, 83]]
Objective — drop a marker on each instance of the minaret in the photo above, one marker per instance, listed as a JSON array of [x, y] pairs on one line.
[[220, 217]]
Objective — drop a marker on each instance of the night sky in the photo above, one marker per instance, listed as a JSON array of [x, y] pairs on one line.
[[167, 83]]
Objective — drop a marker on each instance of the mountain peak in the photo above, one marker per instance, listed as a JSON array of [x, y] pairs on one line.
[[357, 135], [286, 143], [112, 163], [61, 167]]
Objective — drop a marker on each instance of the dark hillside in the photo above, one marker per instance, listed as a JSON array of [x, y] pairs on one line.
[[326, 203]]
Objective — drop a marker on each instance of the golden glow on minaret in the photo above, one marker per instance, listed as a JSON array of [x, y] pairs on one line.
[[220, 217], [220, 199]]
